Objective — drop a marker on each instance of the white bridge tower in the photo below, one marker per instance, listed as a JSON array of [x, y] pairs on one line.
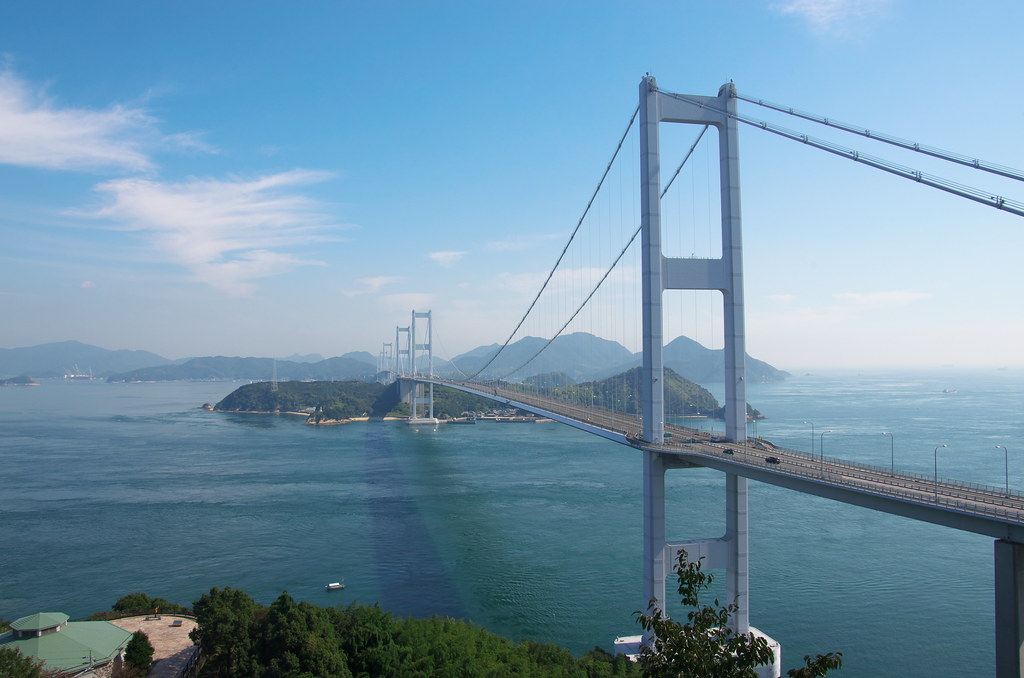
[[422, 351], [660, 273]]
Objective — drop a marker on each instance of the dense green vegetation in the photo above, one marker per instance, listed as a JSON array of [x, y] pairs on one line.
[[345, 398], [336, 400], [291, 639], [14, 664], [549, 380], [622, 394], [138, 604], [241, 638], [340, 400], [138, 654]]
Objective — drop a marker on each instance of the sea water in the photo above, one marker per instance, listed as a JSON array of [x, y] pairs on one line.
[[530, 530]]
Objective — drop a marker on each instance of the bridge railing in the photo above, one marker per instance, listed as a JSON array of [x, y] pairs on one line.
[[962, 496], [958, 495]]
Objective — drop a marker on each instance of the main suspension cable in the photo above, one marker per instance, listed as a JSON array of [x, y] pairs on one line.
[[968, 192], [579, 223], [950, 156]]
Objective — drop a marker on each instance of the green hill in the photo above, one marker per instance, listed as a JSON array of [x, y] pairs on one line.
[[621, 393], [327, 400]]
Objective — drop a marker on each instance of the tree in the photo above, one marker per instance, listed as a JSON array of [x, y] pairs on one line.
[[226, 618], [141, 603], [13, 664], [705, 647], [298, 639], [139, 652]]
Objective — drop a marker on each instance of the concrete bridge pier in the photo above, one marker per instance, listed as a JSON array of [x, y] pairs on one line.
[[1009, 590], [728, 552]]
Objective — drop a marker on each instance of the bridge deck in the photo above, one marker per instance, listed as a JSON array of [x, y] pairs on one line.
[[966, 506]]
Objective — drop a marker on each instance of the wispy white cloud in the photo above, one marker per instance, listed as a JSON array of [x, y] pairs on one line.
[[227, 233], [446, 258], [831, 15], [87, 285], [372, 285], [37, 132]]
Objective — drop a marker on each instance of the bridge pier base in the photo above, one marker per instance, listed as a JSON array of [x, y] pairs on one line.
[[729, 552], [1009, 590]]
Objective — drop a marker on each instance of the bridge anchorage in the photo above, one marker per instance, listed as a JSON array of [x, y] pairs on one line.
[[988, 511]]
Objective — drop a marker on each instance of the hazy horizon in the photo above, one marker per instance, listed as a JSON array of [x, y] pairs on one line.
[[800, 370]]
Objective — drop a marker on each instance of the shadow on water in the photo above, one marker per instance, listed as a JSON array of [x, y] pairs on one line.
[[257, 421], [413, 579]]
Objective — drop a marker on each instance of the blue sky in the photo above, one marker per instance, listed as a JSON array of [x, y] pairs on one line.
[[268, 178]]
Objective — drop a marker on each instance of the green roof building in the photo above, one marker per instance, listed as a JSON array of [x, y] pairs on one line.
[[70, 647]]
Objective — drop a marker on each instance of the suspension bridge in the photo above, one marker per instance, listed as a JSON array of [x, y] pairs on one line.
[[648, 273]]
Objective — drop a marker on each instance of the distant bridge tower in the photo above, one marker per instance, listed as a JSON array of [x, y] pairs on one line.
[[386, 364], [422, 342], [662, 273], [403, 356]]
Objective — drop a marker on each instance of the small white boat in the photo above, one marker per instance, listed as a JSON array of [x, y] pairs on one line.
[[335, 585]]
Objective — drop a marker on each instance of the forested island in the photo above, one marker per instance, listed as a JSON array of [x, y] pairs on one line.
[[19, 381], [338, 401]]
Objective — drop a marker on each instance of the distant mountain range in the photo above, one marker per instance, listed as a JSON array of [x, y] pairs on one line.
[[573, 358], [581, 356], [58, 359]]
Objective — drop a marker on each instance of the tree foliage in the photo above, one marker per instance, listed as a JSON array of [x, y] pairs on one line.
[[705, 646], [139, 652], [225, 630], [352, 397], [301, 640], [139, 603], [621, 393], [337, 400], [13, 664]]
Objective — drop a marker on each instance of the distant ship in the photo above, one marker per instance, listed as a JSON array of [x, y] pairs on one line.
[[77, 374], [949, 390]]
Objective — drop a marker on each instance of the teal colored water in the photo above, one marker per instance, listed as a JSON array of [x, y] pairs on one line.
[[529, 530]]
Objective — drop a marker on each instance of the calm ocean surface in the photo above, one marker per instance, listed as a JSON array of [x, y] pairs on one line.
[[532, 531]]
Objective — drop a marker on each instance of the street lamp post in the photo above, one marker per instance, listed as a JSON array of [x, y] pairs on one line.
[[892, 454], [937, 472], [1006, 467], [812, 437], [821, 449]]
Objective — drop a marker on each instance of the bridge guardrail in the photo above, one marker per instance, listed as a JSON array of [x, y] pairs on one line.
[[965, 497]]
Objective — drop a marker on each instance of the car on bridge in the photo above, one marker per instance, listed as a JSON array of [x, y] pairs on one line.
[[773, 460]]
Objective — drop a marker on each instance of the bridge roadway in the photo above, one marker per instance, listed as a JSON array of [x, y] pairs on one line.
[[965, 506]]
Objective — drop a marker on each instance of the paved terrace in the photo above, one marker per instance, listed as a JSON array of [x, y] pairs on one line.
[[172, 648]]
